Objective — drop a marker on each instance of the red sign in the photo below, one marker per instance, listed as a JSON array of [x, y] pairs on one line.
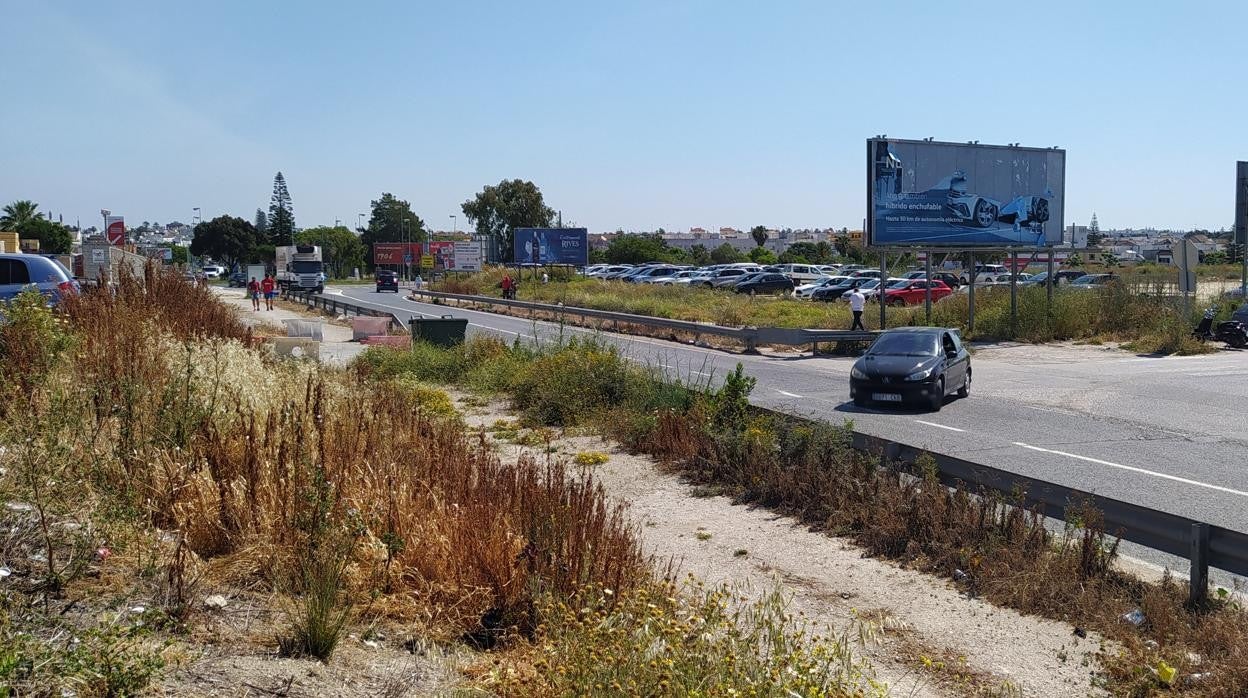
[[115, 230], [393, 253]]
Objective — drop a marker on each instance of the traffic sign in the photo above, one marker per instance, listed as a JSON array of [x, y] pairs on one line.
[[426, 262], [115, 230], [1186, 257]]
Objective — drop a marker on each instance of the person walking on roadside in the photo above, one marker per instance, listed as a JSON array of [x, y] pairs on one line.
[[856, 304], [253, 290], [508, 286], [269, 286]]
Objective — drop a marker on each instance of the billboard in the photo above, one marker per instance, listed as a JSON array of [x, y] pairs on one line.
[[115, 230], [931, 194], [396, 253], [552, 246], [466, 257], [1241, 203], [443, 253]]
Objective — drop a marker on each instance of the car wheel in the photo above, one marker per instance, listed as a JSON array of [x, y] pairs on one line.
[[897, 302], [938, 400], [985, 214], [965, 390], [860, 402]]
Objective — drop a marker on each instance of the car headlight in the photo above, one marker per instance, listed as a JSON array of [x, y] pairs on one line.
[[856, 373], [919, 375]]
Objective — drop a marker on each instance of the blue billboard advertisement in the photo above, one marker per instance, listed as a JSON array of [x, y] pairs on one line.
[[552, 246], [930, 194]]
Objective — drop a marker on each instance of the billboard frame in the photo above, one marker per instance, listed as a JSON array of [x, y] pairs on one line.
[[869, 228]]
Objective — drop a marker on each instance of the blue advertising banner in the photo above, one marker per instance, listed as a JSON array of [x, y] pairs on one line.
[[552, 246], [929, 194]]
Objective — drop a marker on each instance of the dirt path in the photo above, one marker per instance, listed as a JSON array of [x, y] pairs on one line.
[[933, 641]]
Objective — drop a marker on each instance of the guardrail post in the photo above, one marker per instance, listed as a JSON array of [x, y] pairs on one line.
[[1198, 589]]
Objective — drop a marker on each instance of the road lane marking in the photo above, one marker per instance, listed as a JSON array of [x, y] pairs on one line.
[[785, 392], [939, 426], [1133, 469]]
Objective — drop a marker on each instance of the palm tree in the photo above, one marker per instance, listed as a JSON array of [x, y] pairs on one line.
[[18, 213]]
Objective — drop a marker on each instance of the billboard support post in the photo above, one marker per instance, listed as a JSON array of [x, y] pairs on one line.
[[1049, 283], [1013, 293], [879, 296], [927, 295], [970, 293], [1240, 237]]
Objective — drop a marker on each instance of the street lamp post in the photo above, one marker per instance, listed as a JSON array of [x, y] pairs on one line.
[[359, 221], [454, 227]]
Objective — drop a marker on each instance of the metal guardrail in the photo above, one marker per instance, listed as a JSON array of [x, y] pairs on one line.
[[333, 304], [749, 337], [1203, 544]]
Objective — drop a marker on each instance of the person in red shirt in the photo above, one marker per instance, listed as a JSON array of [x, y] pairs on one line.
[[270, 290], [253, 290], [508, 286]]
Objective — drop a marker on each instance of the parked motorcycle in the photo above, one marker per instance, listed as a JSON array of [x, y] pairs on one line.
[[1233, 332]]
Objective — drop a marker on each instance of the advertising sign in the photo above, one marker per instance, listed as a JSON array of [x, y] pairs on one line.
[[443, 253], [552, 246], [115, 230], [467, 257], [396, 252], [930, 194]]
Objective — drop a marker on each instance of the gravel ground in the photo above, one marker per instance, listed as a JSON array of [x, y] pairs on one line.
[[832, 583]]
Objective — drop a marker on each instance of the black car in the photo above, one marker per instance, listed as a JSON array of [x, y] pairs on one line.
[[950, 280], [238, 279], [831, 293], [387, 281], [764, 283], [915, 365]]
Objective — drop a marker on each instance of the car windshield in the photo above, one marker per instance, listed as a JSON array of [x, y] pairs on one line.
[[870, 284], [306, 267], [1085, 280], [905, 344], [900, 284]]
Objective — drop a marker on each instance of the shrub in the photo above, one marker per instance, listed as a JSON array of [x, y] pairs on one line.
[[319, 616], [588, 458]]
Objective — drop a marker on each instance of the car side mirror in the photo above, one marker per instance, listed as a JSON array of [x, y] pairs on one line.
[[951, 354]]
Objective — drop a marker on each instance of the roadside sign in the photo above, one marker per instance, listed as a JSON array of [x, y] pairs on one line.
[[1186, 257], [115, 230], [426, 261], [407, 257]]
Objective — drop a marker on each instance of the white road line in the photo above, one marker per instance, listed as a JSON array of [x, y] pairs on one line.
[[785, 392], [1142, 471], [939, 426]]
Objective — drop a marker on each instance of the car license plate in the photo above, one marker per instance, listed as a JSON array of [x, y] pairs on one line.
[[886, 397]]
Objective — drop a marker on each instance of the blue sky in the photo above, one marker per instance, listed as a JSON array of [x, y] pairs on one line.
[[632, 115]]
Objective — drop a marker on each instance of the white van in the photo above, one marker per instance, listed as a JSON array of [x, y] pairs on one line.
[[801, 273]]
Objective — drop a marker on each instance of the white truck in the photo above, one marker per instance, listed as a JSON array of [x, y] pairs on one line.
[[299, 267]]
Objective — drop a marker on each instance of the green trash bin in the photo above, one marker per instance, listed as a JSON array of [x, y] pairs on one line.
[[445, 331]]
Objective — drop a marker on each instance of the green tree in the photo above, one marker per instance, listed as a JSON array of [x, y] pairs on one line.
[[726, 254], [762, 255], [281, 220], [391, 220], [227, 239], [699, 255], [1110, 260], [637, 249], [342, 250], [1074, 260], [181, 255], [19, 213], [1216, 257], [261, 222], [53, 237], [498, 210], [808, 253], [759, 233]]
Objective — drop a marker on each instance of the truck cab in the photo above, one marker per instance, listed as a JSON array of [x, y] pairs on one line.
[[300, 267]]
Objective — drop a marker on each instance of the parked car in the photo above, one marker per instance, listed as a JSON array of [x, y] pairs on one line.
[[870, 289], [1092, 281], [387, 281], [950, 280], [765, 282], [914, 292], [650, 273], [213, 271], [727, 277], [1063, 276], [920, 274], [800, 273], [917, 365], [805, 290], [984, 272], [238, 280], [607, 270], [697, 277], [835, 291], [19, 272], [1241, 314], [865, 273]]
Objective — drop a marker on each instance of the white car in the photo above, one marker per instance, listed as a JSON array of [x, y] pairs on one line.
[[695, 278], [805, 290], [213, 271], [987, 273], [871, 289]]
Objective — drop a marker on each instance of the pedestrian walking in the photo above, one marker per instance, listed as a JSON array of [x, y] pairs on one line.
[[253, 290], [417, 282], [856, 304], [545, 278], [508, 286], [269, 286]]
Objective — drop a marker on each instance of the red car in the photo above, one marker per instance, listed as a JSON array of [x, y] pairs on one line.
[[914, 291]]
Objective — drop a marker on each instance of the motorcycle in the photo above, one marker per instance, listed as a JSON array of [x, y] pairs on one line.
[[1233, 332]]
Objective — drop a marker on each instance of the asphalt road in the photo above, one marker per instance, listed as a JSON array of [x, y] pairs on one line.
[[1166, 433]]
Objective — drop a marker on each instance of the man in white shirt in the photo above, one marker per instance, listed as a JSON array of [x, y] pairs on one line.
[[856, 303]]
